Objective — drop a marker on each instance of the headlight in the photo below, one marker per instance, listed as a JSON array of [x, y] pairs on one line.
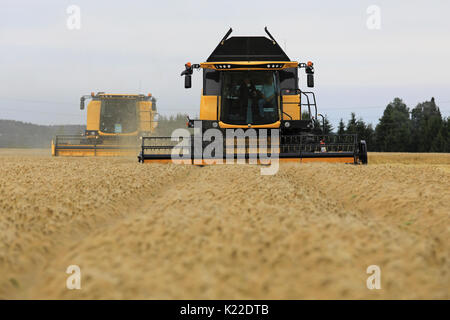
[[287, 124]]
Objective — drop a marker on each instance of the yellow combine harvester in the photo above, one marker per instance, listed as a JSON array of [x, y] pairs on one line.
[[251, 92], [115, 124]]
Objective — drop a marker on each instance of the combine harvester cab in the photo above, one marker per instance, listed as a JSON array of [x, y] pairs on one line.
[[250, 88], [115, 124]]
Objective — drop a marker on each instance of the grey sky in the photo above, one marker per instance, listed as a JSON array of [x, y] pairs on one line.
[[130, 45]]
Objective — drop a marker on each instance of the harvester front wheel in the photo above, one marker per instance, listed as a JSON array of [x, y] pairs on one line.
[[363, 152]]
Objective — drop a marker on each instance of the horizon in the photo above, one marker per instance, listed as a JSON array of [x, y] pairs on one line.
[[333, 122]]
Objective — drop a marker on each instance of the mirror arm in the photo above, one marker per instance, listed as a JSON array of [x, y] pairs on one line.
[[187, 73], [83, 99], [189, 69]]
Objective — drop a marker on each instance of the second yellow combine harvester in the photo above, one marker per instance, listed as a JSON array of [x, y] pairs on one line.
[[115, 124], [251, 96]]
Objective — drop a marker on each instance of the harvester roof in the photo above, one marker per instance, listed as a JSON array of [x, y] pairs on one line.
[[248, 49]]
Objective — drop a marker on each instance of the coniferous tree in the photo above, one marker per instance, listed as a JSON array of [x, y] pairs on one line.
[[394, 129], [327, 125], [365, 132], [351, 124], [305, 115], [426, 125], [341, 127], [445, 133], [358, 126]]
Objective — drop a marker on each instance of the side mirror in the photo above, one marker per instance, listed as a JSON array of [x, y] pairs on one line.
[[82, 103], [187, 81], [310, 80]]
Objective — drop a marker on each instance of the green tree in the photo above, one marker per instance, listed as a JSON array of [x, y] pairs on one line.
[[351, 124], [445, 133], [365, 132], [359, 127], [427, 124], [323, 126], [167, 124], [341, 127], [327, 125], [394, 128], [305, 115]]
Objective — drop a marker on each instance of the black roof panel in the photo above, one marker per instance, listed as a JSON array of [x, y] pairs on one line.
[[248, 49]]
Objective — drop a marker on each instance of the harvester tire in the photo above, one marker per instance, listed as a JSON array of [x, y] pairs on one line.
[[363, 152]]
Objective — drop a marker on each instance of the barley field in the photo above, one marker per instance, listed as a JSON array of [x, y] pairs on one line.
[[159, 231]]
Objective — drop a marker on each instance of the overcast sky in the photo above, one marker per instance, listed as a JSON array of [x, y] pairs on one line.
[[141, 46]]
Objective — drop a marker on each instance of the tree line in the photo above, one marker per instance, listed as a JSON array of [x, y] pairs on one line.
[[17, 134], [421, 129]]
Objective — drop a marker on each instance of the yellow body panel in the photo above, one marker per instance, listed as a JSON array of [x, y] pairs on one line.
[[202, 162], [129, 134], [122, 95], [145, 117], [332, 160], [208, 107], [93, 115], [265, 126], [291, 107], [91, 152], [53, 148]]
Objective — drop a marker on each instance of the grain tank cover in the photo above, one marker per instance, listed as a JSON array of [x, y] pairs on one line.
[[248, 49]]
